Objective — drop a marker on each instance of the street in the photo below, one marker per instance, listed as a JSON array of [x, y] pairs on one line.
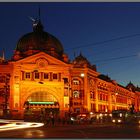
[[76, 131]]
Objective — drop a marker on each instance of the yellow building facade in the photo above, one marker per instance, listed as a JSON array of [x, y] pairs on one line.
[[40, 76]]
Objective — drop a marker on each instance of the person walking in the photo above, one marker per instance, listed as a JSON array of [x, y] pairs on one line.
[[47, 120], [52, 120]]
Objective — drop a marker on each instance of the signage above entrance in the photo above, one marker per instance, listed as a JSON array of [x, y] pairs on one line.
[[42, 103]]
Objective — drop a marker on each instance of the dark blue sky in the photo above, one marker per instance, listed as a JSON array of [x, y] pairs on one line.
[[108, 34]]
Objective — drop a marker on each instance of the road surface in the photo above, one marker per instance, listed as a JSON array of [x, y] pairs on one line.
[[76, 131]]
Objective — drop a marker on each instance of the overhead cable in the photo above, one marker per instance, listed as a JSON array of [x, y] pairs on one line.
[[115, 58], [103, 42]]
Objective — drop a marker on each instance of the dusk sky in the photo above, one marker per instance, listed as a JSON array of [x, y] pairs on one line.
[[107, 34]]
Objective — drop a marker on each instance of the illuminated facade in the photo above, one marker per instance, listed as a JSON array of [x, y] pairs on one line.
[[41, 77]]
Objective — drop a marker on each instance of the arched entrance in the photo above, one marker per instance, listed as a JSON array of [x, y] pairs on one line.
[[40, 104]]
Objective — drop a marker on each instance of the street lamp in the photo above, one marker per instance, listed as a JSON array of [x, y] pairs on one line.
[[82, 75]]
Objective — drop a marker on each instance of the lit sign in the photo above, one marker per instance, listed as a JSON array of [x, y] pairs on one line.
[[41, 102]]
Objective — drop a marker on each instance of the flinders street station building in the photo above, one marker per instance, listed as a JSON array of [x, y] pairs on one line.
[[39, 77]]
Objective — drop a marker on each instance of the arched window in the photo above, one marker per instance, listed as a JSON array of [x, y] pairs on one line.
[[76, 94], [77, 88], [92, 95]]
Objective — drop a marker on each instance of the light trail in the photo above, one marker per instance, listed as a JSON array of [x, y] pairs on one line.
[[16, 124]]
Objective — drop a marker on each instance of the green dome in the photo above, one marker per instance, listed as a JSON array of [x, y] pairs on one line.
[[81, 60], [39, 40]]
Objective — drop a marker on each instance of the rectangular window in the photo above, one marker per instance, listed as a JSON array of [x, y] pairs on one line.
[[54, 76], [46, 76], [75, 82], [65, 92], [92, 95], [2, 79], [93, 107], [27, 75], [36, 75], [106, 97]]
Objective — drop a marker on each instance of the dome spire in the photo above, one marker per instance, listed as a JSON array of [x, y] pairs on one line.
[[37, 25]]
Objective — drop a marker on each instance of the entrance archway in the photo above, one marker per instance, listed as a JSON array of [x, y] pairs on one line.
[[40, 103]]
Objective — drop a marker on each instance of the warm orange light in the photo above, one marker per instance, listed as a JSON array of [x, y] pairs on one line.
[[82, 74]]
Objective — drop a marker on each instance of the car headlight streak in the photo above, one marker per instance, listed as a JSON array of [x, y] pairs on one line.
[[13, 124]]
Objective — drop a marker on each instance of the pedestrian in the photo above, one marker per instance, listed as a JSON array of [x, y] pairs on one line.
[[52, 120], [41, 117], [47, 120], [59, 120], [91, 120]]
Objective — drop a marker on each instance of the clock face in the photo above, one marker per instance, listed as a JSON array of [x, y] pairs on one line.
[[41, 63]]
